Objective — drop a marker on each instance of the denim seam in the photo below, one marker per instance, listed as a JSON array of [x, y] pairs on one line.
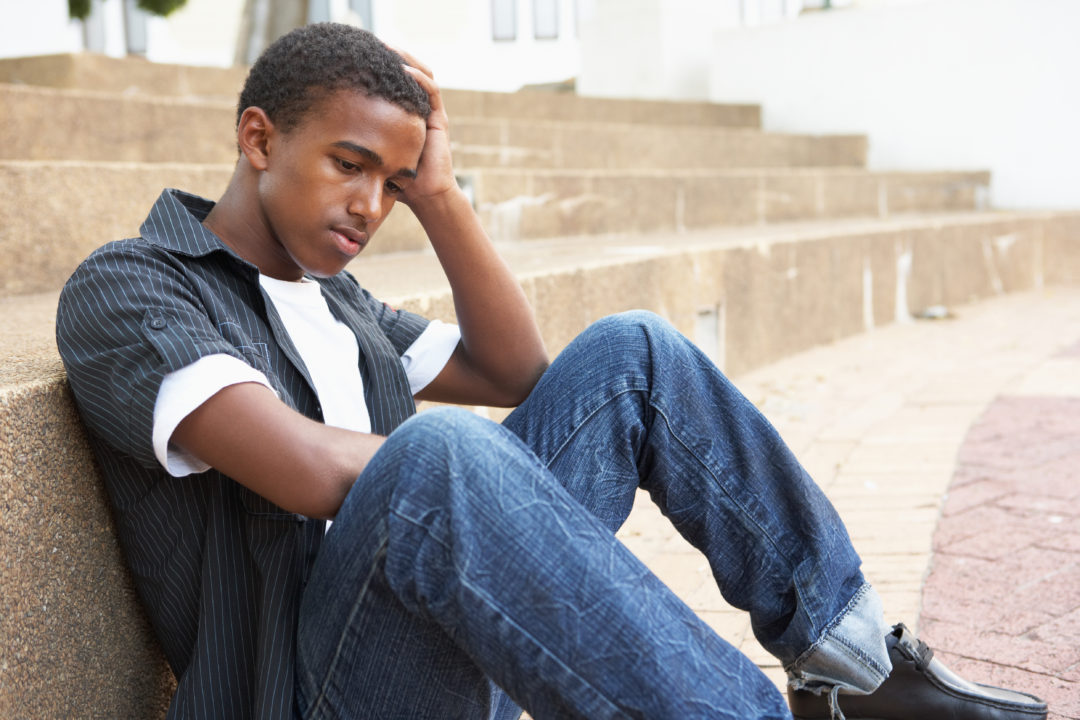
[[578, 425], [720, 485], [324, 685], [854, 651]]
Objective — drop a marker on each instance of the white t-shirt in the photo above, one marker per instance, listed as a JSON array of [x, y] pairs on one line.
[[330, 352]]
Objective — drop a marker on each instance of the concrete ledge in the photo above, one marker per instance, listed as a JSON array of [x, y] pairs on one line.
[[104, 126], [57, 212], [72, 634], [129, 75], [751, 296], [747, 296], [608, 145], [123, 75], [562, 106], [516, 204]]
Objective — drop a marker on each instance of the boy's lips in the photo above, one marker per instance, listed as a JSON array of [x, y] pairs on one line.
[[350, 240]]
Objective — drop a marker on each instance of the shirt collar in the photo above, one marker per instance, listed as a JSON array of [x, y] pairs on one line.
[[175, 223]]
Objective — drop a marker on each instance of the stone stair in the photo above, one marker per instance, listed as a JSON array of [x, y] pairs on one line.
[[757, 245]]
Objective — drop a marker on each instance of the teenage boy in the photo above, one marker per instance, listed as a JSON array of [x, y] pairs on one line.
[[241, 391]]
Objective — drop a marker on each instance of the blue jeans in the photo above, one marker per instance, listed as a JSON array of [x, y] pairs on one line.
[[473, 567]]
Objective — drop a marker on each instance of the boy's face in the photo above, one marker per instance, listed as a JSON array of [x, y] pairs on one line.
[[331, 180]]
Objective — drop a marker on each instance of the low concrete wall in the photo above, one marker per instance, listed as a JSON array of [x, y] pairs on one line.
[[73, 639]]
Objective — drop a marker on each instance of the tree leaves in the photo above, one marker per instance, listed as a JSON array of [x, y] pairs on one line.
[[80, 9]]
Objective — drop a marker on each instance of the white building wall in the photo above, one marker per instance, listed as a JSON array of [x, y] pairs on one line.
[[37, 27], [936, 84], [662, 49], [203, 32], [454, 38]]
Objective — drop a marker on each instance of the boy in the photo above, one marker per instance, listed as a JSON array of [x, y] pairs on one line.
[[242, 391]]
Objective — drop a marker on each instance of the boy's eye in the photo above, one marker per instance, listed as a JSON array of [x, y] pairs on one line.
[[347, 166], [392, 187]]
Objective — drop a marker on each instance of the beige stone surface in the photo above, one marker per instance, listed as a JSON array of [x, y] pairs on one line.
[[68, 613], [42, 123], [125, 75], [540, 203], [563, 106]]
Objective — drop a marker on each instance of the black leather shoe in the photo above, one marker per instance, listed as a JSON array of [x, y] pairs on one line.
[[920, 688]]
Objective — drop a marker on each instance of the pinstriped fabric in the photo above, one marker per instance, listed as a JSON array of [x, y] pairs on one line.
[[219, 568]]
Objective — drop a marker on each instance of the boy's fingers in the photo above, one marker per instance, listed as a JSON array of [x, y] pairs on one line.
[[408, 57], [427, 85]]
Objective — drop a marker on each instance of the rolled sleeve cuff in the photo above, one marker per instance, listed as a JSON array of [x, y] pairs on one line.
[[429, 353], [184, 390]]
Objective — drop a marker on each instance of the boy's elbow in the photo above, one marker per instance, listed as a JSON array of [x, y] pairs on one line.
[[518, 388]]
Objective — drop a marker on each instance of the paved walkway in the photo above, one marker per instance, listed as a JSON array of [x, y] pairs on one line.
[[951, 448]]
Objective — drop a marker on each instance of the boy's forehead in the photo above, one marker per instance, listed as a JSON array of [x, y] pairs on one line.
[[356, 109]]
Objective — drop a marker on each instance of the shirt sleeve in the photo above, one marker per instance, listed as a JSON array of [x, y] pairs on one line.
[[127, 318], [429, 353], [181, 392], [401, 327]]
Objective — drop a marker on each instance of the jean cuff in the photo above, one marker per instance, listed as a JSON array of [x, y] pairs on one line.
[[850, 655]]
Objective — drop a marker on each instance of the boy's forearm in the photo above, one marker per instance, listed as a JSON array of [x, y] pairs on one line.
[[297, 463], [499, 331]]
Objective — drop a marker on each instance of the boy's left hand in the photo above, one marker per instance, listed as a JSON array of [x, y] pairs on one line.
[[435, 174]]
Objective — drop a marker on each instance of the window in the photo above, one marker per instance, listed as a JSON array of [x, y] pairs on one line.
[[504, 19], [546, 19]]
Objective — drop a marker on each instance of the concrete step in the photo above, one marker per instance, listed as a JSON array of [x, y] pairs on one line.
[[112, 126], [133, 76], [55, 213], [747, 296], [517, 204], [481, 143]]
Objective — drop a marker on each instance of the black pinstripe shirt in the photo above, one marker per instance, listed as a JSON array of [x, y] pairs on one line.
[[219, 569]]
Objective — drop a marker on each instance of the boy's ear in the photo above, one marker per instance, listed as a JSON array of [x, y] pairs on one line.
[[253, 136]]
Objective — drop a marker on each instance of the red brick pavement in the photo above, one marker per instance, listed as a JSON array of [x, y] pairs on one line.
[[1002, 601]]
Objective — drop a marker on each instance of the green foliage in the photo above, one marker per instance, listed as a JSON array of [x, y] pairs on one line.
[[161, 7], [80, 9]]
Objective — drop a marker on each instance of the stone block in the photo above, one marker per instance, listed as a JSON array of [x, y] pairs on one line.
[[1061, 248], [123, 75], [54, 214], [47, 124], [718, 199], [790, 196], [69, 612], [570, 107], [850, 194], [925, 192]]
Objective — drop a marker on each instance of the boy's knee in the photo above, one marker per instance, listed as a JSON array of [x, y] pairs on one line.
[[633, 321], [632, 336], [440, 429]]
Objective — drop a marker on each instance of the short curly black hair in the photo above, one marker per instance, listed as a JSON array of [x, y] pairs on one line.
[[306, 64]]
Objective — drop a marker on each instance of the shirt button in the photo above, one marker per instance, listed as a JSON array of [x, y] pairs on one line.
[[157, 322]]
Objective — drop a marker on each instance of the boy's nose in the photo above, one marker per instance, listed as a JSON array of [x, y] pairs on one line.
[[366, 202]]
